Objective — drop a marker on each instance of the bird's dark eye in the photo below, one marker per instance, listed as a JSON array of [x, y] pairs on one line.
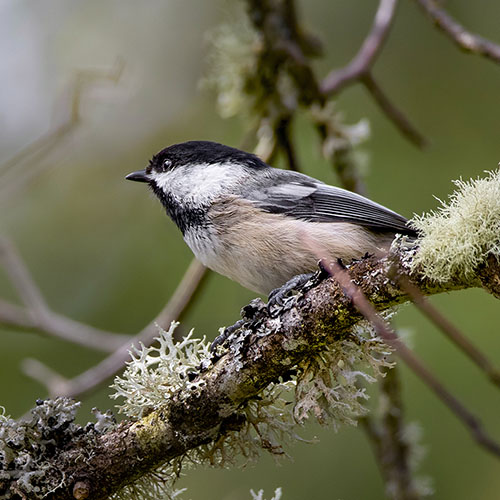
[[167, 164]]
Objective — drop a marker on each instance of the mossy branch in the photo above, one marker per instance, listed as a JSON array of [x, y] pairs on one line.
[[269, 348]]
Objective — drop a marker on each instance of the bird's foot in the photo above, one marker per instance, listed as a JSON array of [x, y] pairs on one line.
[[228, 331], [278, 296]]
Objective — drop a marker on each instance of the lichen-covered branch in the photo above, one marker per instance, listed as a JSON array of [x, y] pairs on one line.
[[268, 348]]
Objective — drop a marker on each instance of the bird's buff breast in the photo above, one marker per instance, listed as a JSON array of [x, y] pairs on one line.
[[262, 251]]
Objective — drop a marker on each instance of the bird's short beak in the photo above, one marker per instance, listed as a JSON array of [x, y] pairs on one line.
[[139, 176]]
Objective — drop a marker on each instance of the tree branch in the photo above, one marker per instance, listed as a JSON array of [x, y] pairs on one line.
[[38, 317], [394, 114], [12, 174], [361, 302], [468, 42], [272, 345], [176, 307], [363, 61], [452, 332], [360, 70], [387, 435]]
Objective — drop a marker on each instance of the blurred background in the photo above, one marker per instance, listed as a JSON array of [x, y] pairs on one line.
[[104, 253]]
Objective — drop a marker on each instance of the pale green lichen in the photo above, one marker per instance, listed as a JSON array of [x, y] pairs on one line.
[[232, 60], [155, 373], [28, 447], [327, 384], [260, 494], [459, 236], [325, 387]]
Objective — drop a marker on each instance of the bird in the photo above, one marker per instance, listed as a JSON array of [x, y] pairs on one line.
[[259, 225]]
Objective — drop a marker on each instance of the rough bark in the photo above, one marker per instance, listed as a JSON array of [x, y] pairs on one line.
[[272, 345]]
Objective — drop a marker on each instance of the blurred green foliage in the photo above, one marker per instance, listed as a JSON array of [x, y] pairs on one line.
[[103, 252]]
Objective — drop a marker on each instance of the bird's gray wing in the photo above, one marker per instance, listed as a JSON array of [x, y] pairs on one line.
[[302, 197]]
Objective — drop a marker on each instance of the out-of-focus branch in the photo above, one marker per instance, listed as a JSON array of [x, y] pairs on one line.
[[176, 307], [392, 112], [58, 326], [36, 316], [363, 61], [387, 435], [14, 173], [20, 277], [283, 135], [361, 302], [360, 70], [287, 54], [286, 50], [451, 331], [465, 40]]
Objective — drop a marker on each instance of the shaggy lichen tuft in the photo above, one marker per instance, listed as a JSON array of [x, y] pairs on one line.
[[232, 61], [326, 386], [155, 373], [260, 494], [459, 236]]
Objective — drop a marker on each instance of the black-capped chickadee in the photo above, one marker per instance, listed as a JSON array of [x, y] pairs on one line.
[[259, 225]]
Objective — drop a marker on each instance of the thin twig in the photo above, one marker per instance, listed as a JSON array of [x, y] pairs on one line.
[[39, 371], [451, 331], [360, 70], [392, 112], [176, 307], [12, 174], [37, 316], [467, 41], [383, 330], [364, 59], [21, 278], [55, 325]]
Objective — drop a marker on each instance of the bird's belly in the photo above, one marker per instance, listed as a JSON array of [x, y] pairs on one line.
[[264, 256]]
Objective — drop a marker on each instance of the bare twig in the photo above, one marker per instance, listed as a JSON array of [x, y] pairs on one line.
[[56, 325], [383, 330], [360, 70], [176, 307], [37, 316], [364, 59], [469, 42], [451, 331], [21, 278], [388, 438], [394, 114], [12, 178], [39, 371]]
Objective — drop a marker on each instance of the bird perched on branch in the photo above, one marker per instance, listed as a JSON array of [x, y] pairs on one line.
[[259, 225]]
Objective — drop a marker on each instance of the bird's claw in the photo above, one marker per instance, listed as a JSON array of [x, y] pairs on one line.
[[278, 296]]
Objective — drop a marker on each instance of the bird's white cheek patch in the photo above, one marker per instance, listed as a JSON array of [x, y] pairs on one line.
[[198, 184]]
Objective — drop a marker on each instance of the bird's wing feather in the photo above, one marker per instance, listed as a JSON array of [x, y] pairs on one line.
[[302, 197]]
